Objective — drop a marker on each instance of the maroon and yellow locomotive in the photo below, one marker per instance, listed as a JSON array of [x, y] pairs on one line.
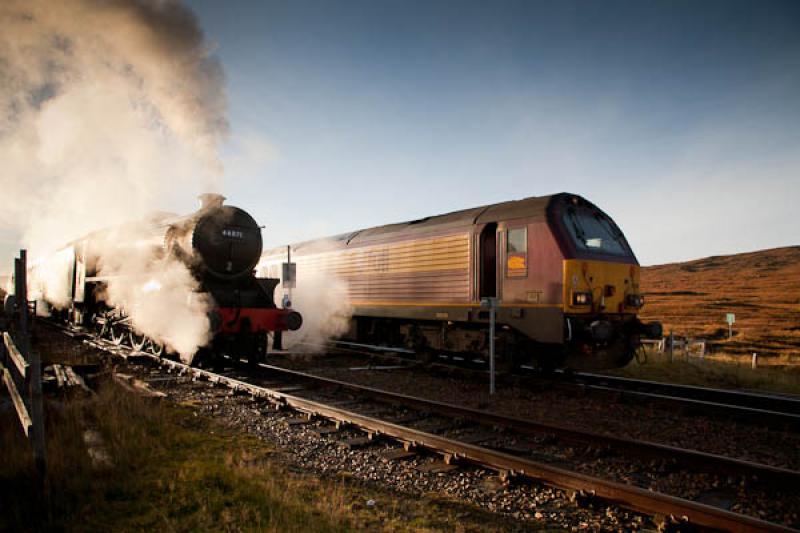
[[564, 279]]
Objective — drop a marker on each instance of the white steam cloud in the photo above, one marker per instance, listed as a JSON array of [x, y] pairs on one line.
[[108, 110], [322, 300], [320, 295]]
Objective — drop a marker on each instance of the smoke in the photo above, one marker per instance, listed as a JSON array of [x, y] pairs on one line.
[[50, 281], [157, 293], [320, 296], [109, 109], [322, 300]]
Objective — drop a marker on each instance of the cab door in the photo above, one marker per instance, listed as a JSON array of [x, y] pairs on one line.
[[487, 261]]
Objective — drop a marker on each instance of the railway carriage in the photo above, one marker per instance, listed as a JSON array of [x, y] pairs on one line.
[[564, 279]]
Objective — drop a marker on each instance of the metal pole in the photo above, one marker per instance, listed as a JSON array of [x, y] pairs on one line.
[[492, 308]]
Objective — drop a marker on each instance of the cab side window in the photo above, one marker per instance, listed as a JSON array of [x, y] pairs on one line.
[[517, 252]]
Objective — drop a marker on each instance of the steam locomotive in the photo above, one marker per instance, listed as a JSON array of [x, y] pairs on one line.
[[558, 270], [219, 244]]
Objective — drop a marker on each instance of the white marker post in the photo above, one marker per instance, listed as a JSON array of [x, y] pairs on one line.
[[491, 303], [731, 318], [289, 280], [289, 273]]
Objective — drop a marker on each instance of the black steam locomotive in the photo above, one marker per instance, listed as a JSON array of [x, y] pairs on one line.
[[220, 245]]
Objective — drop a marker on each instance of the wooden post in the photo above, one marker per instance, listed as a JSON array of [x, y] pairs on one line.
[[671, 345], [754, 364], [34, 386]]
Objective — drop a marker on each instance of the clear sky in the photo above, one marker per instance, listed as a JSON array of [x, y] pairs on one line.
[[681, 119]]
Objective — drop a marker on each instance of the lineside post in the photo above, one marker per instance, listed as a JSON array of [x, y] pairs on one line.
[[491, 303], [671, 345]]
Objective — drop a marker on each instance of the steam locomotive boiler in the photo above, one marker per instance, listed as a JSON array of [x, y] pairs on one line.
[[563, 278], [219, 244]]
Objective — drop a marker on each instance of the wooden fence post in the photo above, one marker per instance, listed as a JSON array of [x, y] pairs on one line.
[[31, 387]]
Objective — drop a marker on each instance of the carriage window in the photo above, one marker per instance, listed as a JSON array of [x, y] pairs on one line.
[[517, 252]]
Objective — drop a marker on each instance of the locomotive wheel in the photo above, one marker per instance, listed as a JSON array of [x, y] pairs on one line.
[[100, 328], [138, 341], [256, 353], [155, 348], [117, 334]]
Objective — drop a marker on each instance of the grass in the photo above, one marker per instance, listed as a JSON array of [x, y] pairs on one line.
[[175, 471], [761, 288], [713, 371], [171, 472]]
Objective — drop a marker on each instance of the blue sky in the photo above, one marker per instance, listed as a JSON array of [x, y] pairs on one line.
[[680, 119]]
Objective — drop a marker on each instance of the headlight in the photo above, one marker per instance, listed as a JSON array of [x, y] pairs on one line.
[[581, 298], [634, 300]]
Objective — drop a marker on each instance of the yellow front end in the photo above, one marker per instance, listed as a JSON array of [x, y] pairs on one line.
[[601, 300], [611, 287]]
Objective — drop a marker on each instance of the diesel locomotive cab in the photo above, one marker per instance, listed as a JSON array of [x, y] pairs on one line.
[[601, 291]]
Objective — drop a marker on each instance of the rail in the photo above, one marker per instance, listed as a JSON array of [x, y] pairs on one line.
[[628, 496], [779, 408]]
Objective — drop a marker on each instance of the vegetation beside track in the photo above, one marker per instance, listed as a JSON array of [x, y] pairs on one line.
[[761, 288], [175, 471], [709, 372]]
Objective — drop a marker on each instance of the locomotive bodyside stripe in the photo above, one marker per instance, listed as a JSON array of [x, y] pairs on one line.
[[412, 303]]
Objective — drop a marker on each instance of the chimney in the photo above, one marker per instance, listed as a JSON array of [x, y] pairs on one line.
[[210, 200]]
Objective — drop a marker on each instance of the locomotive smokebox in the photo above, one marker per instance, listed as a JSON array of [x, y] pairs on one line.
[[228, 240], [218, 240]]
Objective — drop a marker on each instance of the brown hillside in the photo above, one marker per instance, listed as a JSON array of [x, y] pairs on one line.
[[761, 288]]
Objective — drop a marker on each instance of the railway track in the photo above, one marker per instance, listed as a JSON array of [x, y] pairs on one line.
[[777, 408], [754, 407], [471, 436]]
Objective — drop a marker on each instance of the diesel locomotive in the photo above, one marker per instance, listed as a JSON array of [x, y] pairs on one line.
[[560, 273], [219, 244]]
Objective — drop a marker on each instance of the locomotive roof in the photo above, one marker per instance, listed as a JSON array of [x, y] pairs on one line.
[[534, 208]]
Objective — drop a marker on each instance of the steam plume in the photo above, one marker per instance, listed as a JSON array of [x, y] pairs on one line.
[[108, 109]]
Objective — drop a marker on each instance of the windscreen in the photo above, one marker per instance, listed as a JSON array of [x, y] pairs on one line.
[[594, 232]]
